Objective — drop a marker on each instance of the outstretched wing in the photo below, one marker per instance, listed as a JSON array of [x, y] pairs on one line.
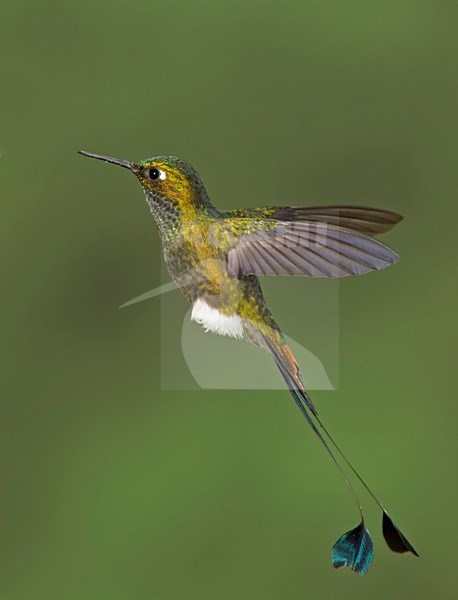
[[268, 247], [370, 221]]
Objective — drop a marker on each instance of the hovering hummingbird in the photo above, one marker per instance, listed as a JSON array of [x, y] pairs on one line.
[[216, 257]]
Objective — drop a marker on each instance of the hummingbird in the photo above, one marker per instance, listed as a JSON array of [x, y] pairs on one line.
[[216, 258]]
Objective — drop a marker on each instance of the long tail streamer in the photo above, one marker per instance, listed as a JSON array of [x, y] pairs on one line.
[[355, 548]]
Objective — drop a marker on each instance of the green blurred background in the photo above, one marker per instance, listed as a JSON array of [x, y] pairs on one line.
[[112, 488]]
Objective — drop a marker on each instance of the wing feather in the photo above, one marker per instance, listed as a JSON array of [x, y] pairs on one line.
[[367, 220], [303, 248]]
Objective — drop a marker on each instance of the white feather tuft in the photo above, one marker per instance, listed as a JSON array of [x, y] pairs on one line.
[[213, 320]]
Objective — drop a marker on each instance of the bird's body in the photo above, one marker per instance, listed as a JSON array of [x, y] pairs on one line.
[[223, 304], [226, 305], [216, 257]]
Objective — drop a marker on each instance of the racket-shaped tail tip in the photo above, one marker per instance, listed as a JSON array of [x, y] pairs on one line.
[[394, 538], [354, 549]]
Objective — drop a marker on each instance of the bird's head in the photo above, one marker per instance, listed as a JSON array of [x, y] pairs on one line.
[[167, 181]]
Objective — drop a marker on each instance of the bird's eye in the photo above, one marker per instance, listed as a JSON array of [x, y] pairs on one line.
[[153, 174]]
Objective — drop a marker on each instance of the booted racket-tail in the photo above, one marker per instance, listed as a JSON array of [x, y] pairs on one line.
[[216, 258]]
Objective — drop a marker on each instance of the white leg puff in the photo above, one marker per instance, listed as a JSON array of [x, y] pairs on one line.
[[213, 320]]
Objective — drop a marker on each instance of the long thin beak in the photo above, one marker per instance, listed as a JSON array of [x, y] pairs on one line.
[[116, 161]]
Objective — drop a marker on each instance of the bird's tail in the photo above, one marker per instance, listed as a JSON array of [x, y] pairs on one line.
[[354, 548]]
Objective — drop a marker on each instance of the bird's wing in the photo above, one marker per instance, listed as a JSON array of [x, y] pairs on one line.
[[370, 221], [268, 247]]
